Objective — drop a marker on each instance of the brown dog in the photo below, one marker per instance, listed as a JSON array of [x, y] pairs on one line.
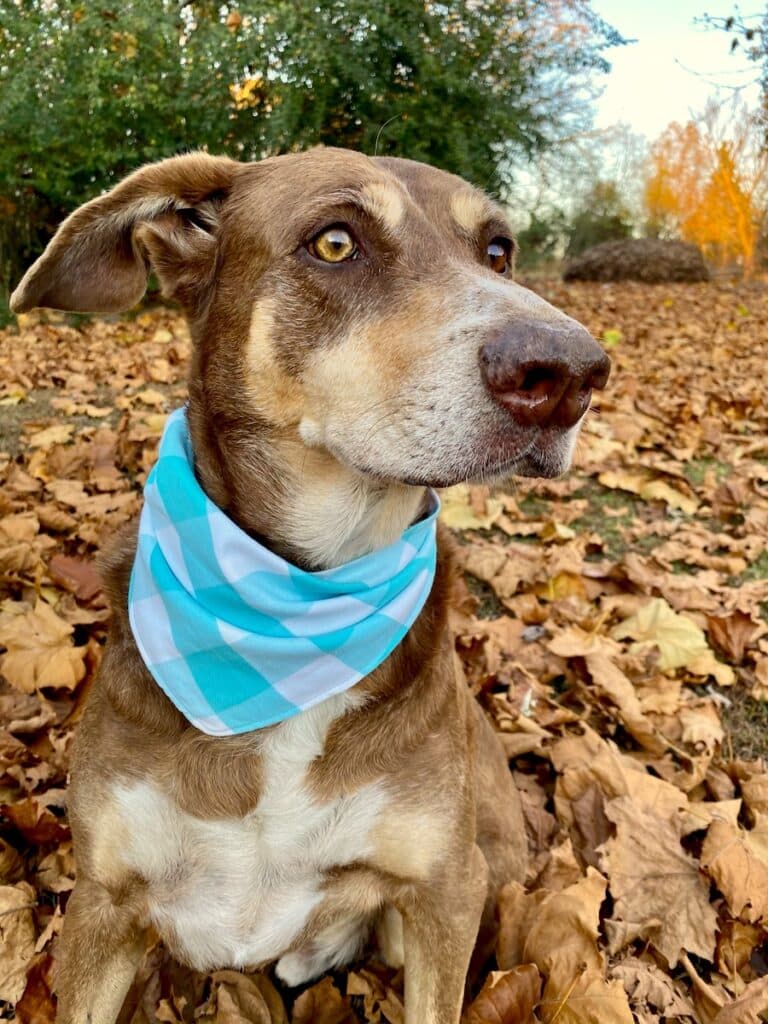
[[358, 338]]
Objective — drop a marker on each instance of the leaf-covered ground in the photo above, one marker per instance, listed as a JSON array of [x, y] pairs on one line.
[[613, 624]]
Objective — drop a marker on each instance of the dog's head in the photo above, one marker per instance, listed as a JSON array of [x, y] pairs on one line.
[[362, 308]]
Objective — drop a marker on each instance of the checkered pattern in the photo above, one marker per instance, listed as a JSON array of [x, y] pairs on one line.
[[237, 637]]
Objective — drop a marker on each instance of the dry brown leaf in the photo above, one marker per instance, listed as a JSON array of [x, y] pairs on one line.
[[659, 893], [517, 911], [588, 760], [461, 513], [35, 821], [37, 1005], [152, 397], [617, 687], [59, 433], [11, 864], [562, 943], [737, 870], [755, 793], [39, 650], [736, 942], [659, 490], [700, 814], [701, 725], [68, 492], [76, 576], [323, 1004], [651, 990], [507, 997], [17, 938], [245, 999], [379, 997], [733, 633], [749, 1008], [562, 868]]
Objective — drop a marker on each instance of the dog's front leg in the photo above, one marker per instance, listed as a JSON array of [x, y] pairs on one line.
[[440, 927], [100, 949]]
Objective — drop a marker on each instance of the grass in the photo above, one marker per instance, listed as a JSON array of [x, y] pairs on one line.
[[758, 570], [490, 606], [696, 470], [746, 725], [626, 509]]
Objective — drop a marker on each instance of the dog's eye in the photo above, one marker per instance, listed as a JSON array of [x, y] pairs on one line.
[[333, 245], [498, 254]]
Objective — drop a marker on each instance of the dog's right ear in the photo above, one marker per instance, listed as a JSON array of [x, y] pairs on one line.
[[164, 215]]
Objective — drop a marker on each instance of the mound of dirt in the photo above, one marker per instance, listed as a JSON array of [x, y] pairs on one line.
[[652, 260]]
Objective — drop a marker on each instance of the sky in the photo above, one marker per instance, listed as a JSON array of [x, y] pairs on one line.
[[654, 80]]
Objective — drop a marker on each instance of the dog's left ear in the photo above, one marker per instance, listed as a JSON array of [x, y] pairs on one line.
[[164, 215]]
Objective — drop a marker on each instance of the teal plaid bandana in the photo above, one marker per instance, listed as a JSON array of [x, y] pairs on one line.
[[237, 637]]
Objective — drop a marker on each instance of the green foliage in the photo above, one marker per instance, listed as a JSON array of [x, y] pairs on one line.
[[89, 91], [540, 243], [602, 217]]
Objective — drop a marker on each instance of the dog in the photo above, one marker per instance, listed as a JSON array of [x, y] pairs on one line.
[[358, 340]]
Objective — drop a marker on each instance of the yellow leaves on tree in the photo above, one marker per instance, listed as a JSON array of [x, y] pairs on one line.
[[706, 184]]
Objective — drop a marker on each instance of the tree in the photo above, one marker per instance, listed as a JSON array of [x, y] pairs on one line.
[[541, 241], [601, 217], [749, 33], [88, 91], [708, 183]]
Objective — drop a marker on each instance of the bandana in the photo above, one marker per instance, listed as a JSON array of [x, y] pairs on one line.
[[237, 637]]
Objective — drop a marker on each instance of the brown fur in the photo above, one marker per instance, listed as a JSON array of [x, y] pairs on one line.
[[293, 361]]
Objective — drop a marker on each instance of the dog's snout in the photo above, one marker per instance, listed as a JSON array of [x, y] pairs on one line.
[[544, 374]]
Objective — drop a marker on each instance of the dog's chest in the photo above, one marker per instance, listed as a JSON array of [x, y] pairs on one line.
[[238, 892]]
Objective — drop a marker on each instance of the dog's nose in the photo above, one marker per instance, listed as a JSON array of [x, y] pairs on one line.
[[544, 374]]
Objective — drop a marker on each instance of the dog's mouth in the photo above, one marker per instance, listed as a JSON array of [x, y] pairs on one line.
[[491, 464]]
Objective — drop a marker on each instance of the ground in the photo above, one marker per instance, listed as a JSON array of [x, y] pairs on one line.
[[612, 623]]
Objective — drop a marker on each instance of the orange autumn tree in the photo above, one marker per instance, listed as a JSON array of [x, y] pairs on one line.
[[707, 184]]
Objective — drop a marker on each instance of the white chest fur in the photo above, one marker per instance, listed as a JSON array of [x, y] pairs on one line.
[[237, 892]]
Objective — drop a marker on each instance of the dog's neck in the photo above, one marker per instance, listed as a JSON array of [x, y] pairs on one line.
[[332, 514], [299, 501]]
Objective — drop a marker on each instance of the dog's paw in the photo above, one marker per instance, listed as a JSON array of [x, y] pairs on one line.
[[297, 968], [335, 946]]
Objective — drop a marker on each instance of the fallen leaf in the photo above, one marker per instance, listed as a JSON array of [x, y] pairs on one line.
[[749, 1008], [680, 642], [59, 433], [245, 999], [40, 650], [37, 1004], [507, 997], [562, 943], [459, 512], [323, 1004], [737, 870], [732, 634], [659, 893], [75, 575], [17, 938], [651, 990]]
